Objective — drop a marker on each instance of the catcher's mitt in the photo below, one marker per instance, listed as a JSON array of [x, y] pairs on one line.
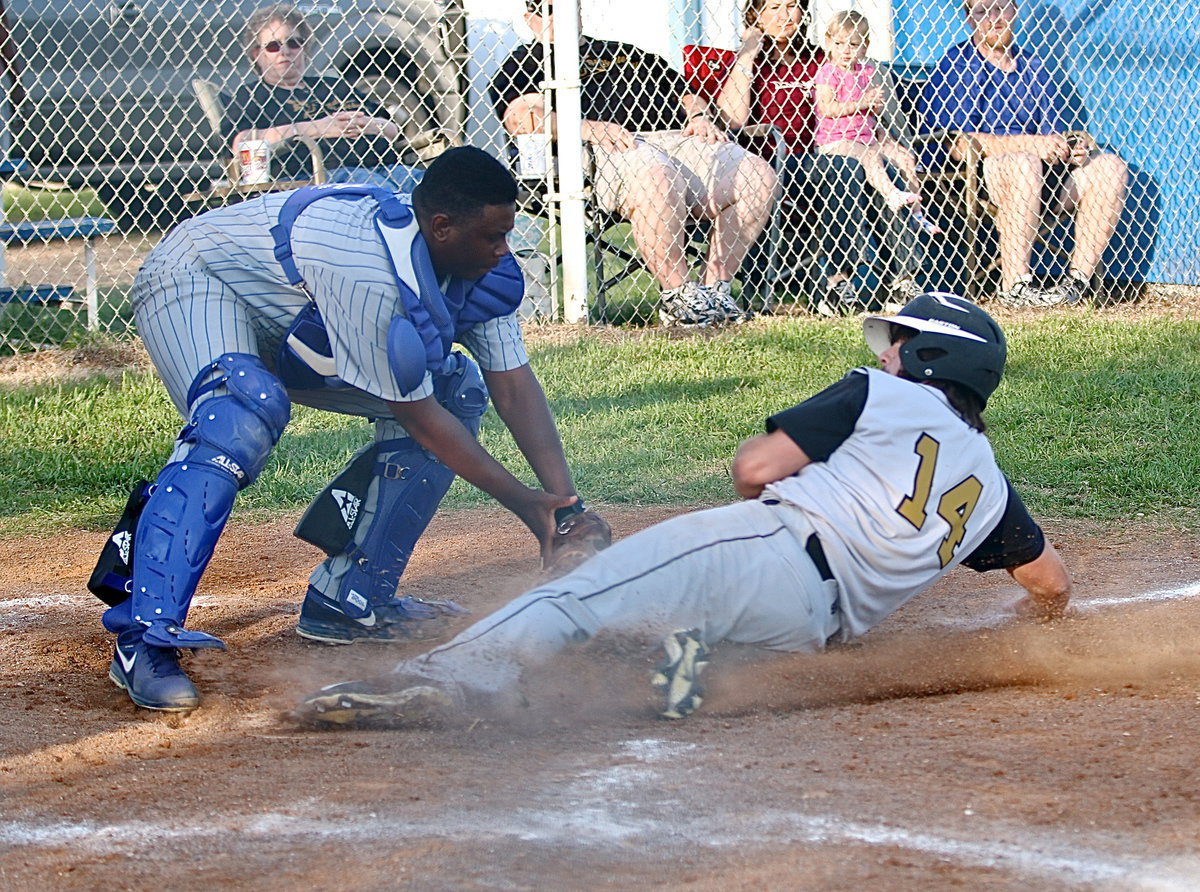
[[581, 533]]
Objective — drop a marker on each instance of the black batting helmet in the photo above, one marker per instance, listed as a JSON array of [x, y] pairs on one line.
[[954, 340]]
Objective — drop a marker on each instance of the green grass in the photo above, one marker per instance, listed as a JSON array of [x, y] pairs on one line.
[[1097, 419], [21, 203], [27, 326]]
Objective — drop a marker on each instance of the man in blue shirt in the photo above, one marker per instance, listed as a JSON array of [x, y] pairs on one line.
[[1006, 101]]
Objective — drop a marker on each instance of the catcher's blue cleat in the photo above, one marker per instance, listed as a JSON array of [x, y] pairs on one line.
[[401, 619], [685, 656], [150, 675]]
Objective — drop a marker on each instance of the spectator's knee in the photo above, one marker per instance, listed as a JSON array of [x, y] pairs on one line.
[[1111, 171], [755, 177], [656, 185], [1013, 170], [661, 177]]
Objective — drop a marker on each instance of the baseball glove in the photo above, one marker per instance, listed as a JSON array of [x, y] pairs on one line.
[[581, 533]]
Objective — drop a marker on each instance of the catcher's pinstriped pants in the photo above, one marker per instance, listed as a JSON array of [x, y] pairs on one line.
[[739, 573]]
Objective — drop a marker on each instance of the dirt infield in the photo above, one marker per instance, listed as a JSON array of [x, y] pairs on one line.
[[950, 749]]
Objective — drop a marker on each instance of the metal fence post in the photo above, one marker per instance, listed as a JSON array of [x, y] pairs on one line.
[[570, 161]]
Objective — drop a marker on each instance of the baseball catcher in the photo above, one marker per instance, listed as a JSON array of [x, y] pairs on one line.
[[346, 298], [855, 501]]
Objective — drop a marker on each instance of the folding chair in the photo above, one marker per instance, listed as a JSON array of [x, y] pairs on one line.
[[232, 186], [613, 257]]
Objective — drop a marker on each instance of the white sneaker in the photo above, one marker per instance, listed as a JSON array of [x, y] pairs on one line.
[[840, 299], [901, 291], [1024, 293], [721, 296], [689, 305]]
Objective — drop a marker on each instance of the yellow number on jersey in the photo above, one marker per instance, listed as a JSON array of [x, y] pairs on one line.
[[955, 505], [912, 508]]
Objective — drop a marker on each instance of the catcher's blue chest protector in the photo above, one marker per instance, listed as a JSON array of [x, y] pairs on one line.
[[418, 341]]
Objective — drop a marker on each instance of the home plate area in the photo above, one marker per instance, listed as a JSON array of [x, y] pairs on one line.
[[951, 747]]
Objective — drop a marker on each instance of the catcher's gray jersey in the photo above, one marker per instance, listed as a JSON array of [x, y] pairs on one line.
[[214, 286]]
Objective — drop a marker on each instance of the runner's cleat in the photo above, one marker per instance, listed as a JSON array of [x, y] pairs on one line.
[[685, 656], [374, 703]]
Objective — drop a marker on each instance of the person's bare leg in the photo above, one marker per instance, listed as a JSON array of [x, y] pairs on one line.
[[910, 196], [741, 193], [1014, 182], [871, 159], [1096, 193], [903, 160], [656, 206]]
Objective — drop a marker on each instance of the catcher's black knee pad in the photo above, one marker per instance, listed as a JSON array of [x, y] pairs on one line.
[[374, 512]]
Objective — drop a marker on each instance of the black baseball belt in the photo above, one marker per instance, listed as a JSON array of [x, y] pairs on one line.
[[817, 554]]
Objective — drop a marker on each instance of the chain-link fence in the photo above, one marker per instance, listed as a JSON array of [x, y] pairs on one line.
[[1053, 144]]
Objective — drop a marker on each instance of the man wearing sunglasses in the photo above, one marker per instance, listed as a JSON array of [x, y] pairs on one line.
[[661, 158], [355, 134]]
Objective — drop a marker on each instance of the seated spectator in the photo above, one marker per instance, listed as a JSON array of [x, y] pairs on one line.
[[772, 82], [660, 159], [849, 98], [1005, 101], [355, 135]]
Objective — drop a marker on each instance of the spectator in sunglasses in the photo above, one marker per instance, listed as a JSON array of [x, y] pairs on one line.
[[357, 138]]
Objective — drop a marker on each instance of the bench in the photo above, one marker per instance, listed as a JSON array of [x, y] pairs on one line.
[[34, 232]]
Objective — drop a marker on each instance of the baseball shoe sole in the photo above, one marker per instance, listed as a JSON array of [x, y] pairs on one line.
[[677, 675], [365, 704]]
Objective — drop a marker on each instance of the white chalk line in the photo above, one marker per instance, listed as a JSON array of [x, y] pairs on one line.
[[38, 604], [15, 610], [591, 812], [1191, 590], [1087, 605]]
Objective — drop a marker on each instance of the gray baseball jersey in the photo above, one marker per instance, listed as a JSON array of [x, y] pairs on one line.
[[900, 490], [214, 286]]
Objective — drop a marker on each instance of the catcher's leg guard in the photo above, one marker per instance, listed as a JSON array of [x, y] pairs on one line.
[[221, 450], [404, 487]]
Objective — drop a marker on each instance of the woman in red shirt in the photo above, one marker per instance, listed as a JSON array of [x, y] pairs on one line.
[[771, 82]]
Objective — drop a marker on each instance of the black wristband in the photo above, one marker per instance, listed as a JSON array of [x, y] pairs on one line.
[[562, 515]]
